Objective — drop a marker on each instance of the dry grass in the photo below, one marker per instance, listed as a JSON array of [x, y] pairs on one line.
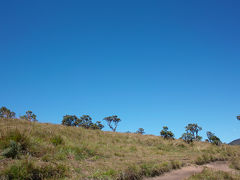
[[209, 174], [106, 155]]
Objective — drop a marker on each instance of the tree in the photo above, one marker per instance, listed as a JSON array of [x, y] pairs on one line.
[[194, 129], [166, 134], [112, 122], [140, 131], [6, 113], [29, 116], [69, 120], [85, 121], [192, 133], [97, 125], [238, 117], [213, 139], [187, 137]]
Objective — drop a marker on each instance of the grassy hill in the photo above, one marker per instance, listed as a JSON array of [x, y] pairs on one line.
[[48, 151]]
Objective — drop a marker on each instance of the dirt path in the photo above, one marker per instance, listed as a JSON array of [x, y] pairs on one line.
[[188, 171]]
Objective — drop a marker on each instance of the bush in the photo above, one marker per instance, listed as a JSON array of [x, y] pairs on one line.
[[16, 136], [12, 151], [57, 140], [14, 143]]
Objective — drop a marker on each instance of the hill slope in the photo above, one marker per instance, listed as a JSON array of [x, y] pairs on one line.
[[235, 142], [47, 151]]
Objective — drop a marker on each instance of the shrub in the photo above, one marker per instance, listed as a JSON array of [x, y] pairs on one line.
[[57, 140], [13, 143], [12, 151]]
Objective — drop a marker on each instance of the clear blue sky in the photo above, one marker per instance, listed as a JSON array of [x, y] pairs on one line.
[[152, 63]]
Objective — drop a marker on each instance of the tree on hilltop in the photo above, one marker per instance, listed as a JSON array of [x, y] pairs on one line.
[[112, 122], [166, 134], [192, 133], [187, 137], [140, 131], [97, 125], [6, 113], [69, 120], [85, 121], [30, 116], [213, 139]]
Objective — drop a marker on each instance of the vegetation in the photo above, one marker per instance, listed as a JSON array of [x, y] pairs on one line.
[[191, 133], [235, 142], [140, 131], [27, 170], [84, 121], [70, 120], [213, 139], [112, 122], [166, 134], [235, 163], [208, 174], [47, 151], [6, 113], [29, 116]]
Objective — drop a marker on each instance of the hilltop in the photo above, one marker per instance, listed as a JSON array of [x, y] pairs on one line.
[[235, 142], [51, 151]]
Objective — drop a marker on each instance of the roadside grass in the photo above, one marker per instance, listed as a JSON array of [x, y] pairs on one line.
[[235, 163], [99, 154], [208, 174]]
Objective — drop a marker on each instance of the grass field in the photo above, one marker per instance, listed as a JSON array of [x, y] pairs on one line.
[[48, 151]]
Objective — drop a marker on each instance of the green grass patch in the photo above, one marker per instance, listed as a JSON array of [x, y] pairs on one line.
[[26, 170]]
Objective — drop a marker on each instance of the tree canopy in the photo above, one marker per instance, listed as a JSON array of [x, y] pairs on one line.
[[6, 113], [166, 134], [140, 131], [30, 116], [84, 121], [69, 120], [112, 122], [191, 133], [213, 139]]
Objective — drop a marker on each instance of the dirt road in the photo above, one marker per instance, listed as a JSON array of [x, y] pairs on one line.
[[188, 171]]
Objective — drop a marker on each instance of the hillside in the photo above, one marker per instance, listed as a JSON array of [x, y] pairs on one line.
[[235, 142], [47, 151]]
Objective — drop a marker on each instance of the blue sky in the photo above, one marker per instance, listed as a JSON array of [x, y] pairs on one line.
[[152, 63]]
